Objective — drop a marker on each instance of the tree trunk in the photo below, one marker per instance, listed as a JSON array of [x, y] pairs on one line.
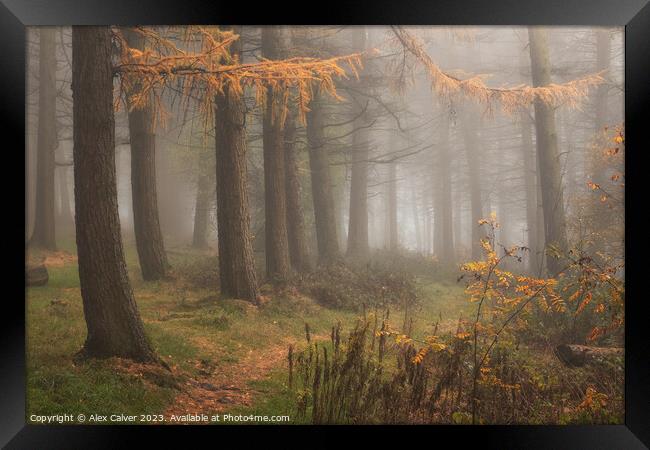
[[472, 153], [416, 219], [201, 212], [236, 262], [598, 170], [393, 236], [444, 217], [44, 229], [64, 219], [358, 245], [530, 180], [298, 249], [275, 207], [146, 224], [547, 153], [114, 324], [321, 183]]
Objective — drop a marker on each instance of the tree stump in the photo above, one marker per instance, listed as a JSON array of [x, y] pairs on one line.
[[36, 275], [580, 355]]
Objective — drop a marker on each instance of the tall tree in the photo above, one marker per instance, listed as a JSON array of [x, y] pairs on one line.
[[298, 248], [64, 219], [148, 236], [321, 182], [444, 216], [44, 227], [416, 218], [391, 207], [236, 262], [114, 324], [548, 158], [471, 124], [530, 180], [275, 206], [201, 211], [358, 217]]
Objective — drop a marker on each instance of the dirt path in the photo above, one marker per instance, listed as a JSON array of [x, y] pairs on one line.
[[227, 386]]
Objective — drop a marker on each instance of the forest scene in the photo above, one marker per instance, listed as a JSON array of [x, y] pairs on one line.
[[325, 225]]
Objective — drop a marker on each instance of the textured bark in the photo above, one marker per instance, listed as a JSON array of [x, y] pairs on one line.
[[114, 324], [44, 228], [472, 153], [146, 224], [321, 183], [547, 153], [201, 212], [236, 262], [275, 206], [298, 248], [358, 245]]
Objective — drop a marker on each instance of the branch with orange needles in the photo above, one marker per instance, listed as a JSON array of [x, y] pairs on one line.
[[509, 99]]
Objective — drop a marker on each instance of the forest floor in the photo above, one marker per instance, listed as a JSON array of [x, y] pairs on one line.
[[226, 356]]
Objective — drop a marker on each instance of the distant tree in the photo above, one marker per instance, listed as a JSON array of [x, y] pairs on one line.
[[112, 318], [213, 66], [471, 125], [391, 206], [298, 248], [321, 182], [202, 210], [358, 246], [444, 215], [44, 227]]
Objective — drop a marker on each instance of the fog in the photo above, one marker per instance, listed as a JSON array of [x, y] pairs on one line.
[[420, 146]]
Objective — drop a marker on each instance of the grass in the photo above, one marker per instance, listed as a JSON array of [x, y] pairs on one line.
[[187, 324]]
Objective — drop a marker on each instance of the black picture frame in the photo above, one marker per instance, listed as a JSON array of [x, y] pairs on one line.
[[15, 15]]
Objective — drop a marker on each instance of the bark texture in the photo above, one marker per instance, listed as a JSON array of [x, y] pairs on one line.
[[236, 262], [114, 324], [146, 223], [275, 206]]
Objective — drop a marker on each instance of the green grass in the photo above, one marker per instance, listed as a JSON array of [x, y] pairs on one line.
[[186, 323]]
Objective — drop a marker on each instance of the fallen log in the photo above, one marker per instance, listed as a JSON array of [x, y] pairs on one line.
[[36, 275], [578, 355]]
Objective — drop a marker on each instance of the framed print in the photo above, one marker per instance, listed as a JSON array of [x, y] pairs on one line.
[[410, 217]]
